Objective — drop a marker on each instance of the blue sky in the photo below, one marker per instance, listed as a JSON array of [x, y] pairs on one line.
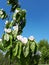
[[37, 18]]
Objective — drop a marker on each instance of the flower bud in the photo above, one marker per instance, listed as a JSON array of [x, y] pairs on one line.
[[19, 37], [7, 30], [24, 40], [31, 38]]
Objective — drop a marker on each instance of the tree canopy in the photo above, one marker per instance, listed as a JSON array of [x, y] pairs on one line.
[[13, 43]]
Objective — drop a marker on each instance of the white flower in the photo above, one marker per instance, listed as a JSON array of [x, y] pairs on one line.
[[1, 12], [24, 40], [0, 40], [15, 27], [16, 11], [38, 53], [6, 22], [6, 37], [31, 38], [19, 37], [7, 30]]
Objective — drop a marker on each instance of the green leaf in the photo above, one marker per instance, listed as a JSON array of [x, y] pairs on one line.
[[3, 14], [12, 1], [26, 50], [23, 13], [32, 46], [9, 24], [15, 50], [10, 43], [1, 45], [14, 4], [8, 47], [20, 49], [14, 33], [10, 36], [7, 41], [36, 48], [6, 37]]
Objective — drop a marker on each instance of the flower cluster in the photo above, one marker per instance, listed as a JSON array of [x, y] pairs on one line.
[[10, 27], [7, 30], [24, 39]]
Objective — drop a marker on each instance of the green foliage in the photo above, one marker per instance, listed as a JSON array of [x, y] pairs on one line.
[[44, 48], [15, 50], [26, 50], [3, 14], [9, 25], [20, 19], [18, 48], [32, 46], [14, 4], [1, 46]]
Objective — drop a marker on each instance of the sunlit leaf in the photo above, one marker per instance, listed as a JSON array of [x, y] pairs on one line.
[[15, 50], [26, 50], [20, 49], [32, 46], [3, 14]]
